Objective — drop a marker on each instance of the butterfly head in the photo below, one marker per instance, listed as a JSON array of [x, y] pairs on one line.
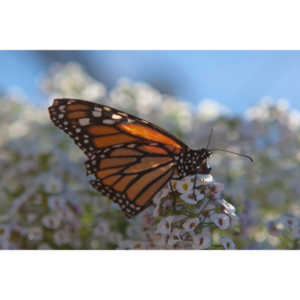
[[204, 153], [201, 161]]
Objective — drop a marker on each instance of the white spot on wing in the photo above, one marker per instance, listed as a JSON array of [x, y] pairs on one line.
[[84, 121], [116, 117], [97, 114], [131, 146], [62, 108], [108, 121]]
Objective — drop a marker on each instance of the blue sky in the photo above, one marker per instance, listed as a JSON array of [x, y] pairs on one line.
[[236, 79]]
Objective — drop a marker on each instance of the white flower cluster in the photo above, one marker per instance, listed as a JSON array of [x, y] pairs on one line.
[[70, 81], [286, 228], [268, 109], [189, 223], [148, 103], [46, 201]]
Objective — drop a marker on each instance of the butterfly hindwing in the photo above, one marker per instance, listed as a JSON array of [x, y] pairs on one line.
[[128, 177]]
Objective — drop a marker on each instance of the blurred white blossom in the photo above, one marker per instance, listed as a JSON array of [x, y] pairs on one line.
[[202, 240], [209, 109], [227, 243]]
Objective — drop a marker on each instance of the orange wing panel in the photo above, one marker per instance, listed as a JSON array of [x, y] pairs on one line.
[[148, 133], [78, 107], [146, 196], [147, 163], [152, 149], [115, 162], [121, 184], [101, 130], [76, 115], [103, 173], [125, 152], [111, 180], [136, 188], [106, 141]]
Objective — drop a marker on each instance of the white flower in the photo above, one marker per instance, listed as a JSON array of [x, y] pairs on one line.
[[147, 221], [289, 222], [203, 179], [234, 220], [175, 237], [261, 110], [44, 246], [101, 229], [129, 244], [218, 187], [185, 185], [227, 243], [157, 200], [160, 195], [53, 185], [62, 237], [51, 221], [221, 220], [202, 240], [199, 195], [275, 227], [156, 211], [35, 234], [162, 242], [294, 119], [296, 233], [227, 208], [209, 109], [190, 198], [165, 225], [55, 203], [67, 215], [31, 217], [18, 129], [190, 224]]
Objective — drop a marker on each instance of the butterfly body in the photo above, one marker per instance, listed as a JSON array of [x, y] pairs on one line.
[[191, 162], [131, 158]]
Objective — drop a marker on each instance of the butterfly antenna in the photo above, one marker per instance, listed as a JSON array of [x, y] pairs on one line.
[[210, 137], [239, 154]]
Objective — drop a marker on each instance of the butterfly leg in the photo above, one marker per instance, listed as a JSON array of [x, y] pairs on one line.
[[203, 206], [194, 186], [174, 197]]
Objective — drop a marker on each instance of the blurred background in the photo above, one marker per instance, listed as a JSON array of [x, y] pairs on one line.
[[250, 98], [236, 79]]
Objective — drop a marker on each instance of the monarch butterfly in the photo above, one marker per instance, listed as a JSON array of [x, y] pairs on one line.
[[131, 159]]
